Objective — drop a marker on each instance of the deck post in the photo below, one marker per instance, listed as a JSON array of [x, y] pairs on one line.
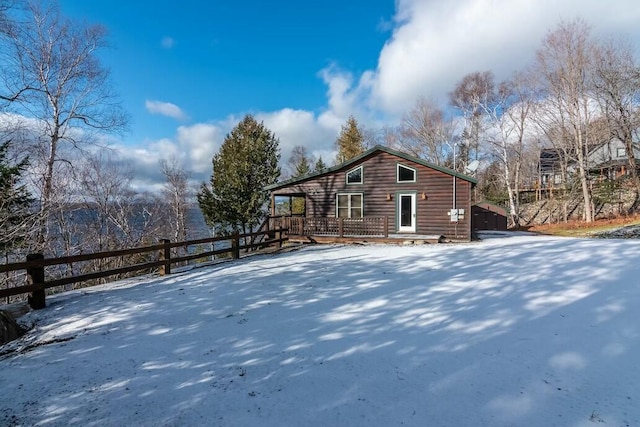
[[35, 276], [340, 227], [386, 227], [165, 255], [235, 246]]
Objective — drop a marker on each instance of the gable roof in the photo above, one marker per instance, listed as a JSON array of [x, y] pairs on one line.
[[356, 159]]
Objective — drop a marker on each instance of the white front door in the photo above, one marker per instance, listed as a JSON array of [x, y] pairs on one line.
[[406, 213]]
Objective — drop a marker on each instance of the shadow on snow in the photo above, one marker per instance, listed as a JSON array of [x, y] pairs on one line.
[[503, 332]]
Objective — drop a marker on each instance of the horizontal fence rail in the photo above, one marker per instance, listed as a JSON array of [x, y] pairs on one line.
[[162, 254]]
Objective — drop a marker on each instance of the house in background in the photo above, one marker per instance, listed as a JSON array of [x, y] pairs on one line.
[[549, 168], [381, 192], [609, 160]]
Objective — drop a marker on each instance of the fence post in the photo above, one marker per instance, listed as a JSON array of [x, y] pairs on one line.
[[165, 256], [386, 226], [340, 227], [235, 246], [35, 276], [279, 237]]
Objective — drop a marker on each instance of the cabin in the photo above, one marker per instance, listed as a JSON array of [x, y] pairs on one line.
[[380, 193]]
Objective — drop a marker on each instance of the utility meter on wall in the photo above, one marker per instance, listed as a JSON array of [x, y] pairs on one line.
[[456, 215]]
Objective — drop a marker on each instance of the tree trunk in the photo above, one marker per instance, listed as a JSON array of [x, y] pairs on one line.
[[513, 208], [47, 194], [586, 194]]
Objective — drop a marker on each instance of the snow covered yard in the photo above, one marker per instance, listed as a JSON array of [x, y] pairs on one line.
[[511, 331]]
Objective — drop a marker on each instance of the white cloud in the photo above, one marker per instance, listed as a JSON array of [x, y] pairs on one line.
[[346, 97], [198, 144], [165, 109], [431, 47], [299, 127], [193, 147], [434, 44], [167, 42]]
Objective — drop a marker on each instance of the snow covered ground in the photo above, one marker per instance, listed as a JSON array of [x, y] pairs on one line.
[[511, 331]]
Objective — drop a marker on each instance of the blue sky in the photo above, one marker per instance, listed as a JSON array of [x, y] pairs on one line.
[[218, 58], [188, 71]]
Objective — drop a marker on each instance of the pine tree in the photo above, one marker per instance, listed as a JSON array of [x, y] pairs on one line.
[[246, 163], [15, 202], [299, 162], [350, 142], [320, 165]]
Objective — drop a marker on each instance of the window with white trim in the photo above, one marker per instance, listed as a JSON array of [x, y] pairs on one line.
[[405, 173], [621, 153], [349, 205], [354, 176]]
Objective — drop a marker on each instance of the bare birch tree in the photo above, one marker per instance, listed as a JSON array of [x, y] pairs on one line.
[[62, 87], [507, 111], [564, 65], [473, 91], [176, 194]]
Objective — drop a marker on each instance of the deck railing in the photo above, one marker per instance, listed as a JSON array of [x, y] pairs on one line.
[[339, 227]]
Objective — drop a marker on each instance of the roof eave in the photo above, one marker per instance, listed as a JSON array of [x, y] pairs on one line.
[[364, 154]]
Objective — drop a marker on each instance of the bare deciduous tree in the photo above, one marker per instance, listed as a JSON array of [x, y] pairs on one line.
[[617, 89], [507, 111], [176, 193], [564, 65], [63, 88], [425, 132], [104, 186], [8, 9], [473, 91]]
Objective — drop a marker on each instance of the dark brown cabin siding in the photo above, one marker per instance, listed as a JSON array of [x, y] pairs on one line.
[[379, 172]]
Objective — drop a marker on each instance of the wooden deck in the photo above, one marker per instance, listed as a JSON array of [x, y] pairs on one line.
[[340, 227], [347, 230], [331, 226], [398, 239]]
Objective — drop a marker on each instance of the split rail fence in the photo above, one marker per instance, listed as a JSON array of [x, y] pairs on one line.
[[162, 260]]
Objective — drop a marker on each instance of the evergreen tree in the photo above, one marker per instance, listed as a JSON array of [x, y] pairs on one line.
[[15, 202], [246, 163], [320, 165], [350, 142], [299, 162]]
